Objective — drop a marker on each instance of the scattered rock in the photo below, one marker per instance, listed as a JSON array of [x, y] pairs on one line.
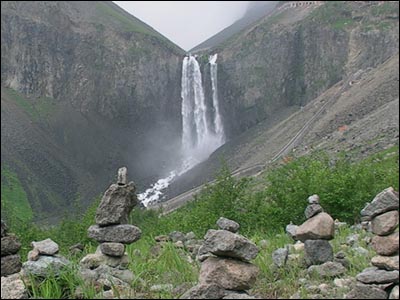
[[161, 288], [190, 236], [343, 282], [229, 225], [352, 239], [328, 269], [33, 255], [291, 230], [280, 257], [385, 223], [177, 236], [94, 260], [236, 295], [46, 247], [162, 239]]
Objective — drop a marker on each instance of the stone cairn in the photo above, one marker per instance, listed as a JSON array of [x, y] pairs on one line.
[[382, 279], [226, 271], [44, 259], [315, 233], [108, 267], [10, 260], [12, 287]]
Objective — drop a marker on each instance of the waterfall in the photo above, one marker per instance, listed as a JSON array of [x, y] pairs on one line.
[[202, 128]]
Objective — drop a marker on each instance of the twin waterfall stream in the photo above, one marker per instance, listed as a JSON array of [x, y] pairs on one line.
[[202, 128]]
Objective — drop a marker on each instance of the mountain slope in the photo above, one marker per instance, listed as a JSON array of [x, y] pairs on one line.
[[255, 11], [86, 88], [273, 76]]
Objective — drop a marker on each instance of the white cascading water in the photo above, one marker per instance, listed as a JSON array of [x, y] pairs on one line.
[[200, 135]]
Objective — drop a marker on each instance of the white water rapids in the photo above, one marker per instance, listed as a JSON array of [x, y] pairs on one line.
[[202, 128]]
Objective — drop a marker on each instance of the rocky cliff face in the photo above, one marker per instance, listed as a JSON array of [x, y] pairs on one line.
[[293, 55], [97, 84]]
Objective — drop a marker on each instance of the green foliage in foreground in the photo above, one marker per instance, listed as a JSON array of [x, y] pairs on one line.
[[344, 188]]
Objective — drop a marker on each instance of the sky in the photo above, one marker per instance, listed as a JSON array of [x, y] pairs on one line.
[[186, 23]]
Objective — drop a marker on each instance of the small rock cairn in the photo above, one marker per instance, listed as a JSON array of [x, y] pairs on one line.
[[44, 259], [225, 270], [382, 280], [109, 265], [10, 260]]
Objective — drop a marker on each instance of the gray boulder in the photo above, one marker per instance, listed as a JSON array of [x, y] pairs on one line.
[[116, 205], [373, 275], [125, 234], [12, 287], [313, 199], [9, 245], [385, 223], [3, 228], [385, 201], [318, 227], [204, 291], [363, 291], [228, 244], [389, 263], [122, 176], [327, 270], [312, 210], [394, 293], [280, 256], [229, 225], [46, 247], [112, 249], [237, 295], [228, 273], [386, 245], [317, 252], [291, 230], [45, 265], [10, 264]]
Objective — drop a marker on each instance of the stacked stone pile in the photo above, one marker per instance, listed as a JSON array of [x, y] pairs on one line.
[[315, 233], [109, 265], [381, 280], [10, 260], [44, 259], [226, 271]]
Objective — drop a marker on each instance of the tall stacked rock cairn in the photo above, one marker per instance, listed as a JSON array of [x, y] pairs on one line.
[[381, 281], [226, 271], [12, 287], [315, 233], [108, 267]]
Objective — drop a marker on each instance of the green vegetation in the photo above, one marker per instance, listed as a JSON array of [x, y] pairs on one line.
[[262, 206], [336, 14], [385, 9], [39, 110], [13, 196]]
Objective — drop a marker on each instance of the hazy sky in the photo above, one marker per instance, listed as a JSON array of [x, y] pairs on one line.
[[186, 23]]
